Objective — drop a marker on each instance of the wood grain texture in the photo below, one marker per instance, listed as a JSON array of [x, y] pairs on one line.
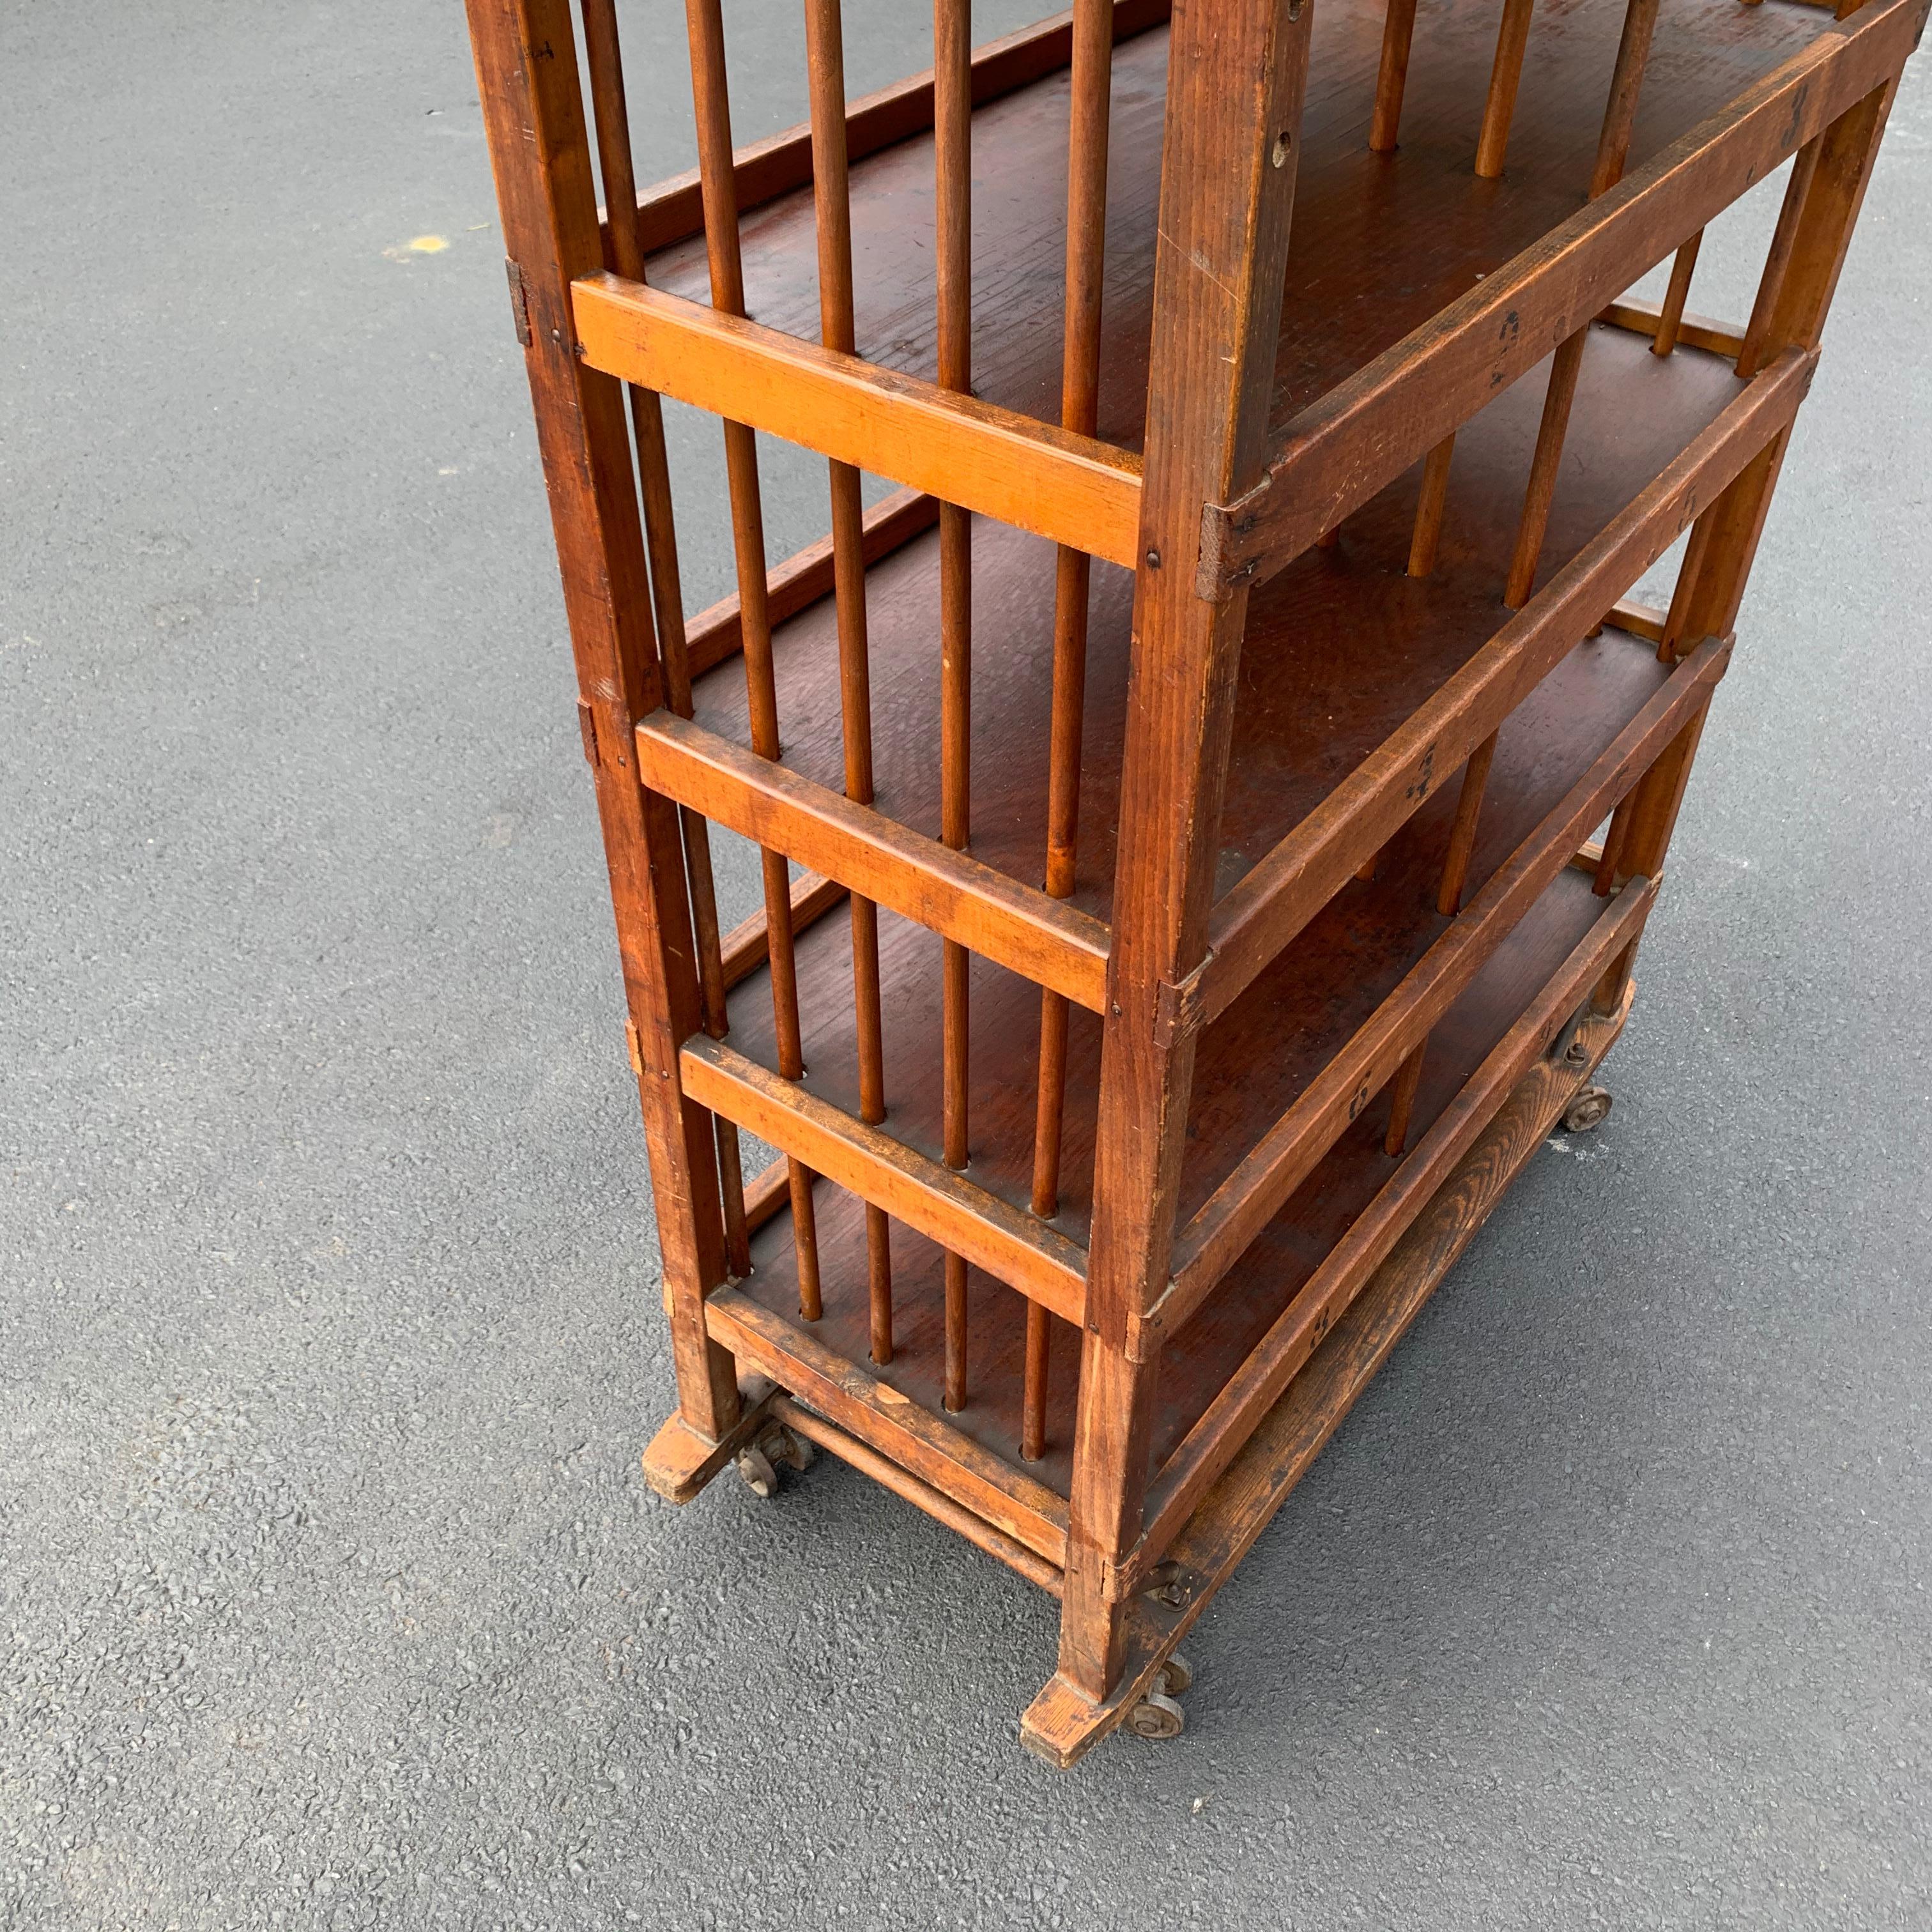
[[1031, 475]]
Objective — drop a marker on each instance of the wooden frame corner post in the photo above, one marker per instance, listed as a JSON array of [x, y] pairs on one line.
[[533, 111], [1231, 139]]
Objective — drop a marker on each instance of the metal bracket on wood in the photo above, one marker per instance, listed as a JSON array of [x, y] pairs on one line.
[[520, 303]]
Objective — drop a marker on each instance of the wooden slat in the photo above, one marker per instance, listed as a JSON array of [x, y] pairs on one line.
[[795, 585], [1034, 475], [883, 1471], [1694, 331], [1342, 450], [1265, 911], [673, 210], [874, 1412], [951, 893], [1216, 1436], [1255, 1191], [1027, 1254], [1063, 1723]]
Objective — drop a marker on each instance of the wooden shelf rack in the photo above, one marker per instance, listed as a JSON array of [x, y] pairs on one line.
[[1178, 801]]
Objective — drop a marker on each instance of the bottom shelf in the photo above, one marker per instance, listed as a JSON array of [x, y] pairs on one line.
[[1199, 1360]]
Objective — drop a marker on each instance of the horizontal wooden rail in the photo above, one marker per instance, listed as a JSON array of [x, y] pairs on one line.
[[883, 1470], [1346, 447], [1041, 939], [1693, 331], [1063, 1723], [674, 209], [1034, 475], [748, 945], [1263, 912], [903, 1430], [1214, 1440], [1021, 1251], [716, 633], [1251, 1196]]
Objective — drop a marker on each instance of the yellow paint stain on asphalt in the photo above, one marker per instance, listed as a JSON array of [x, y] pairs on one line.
[[428, 245]]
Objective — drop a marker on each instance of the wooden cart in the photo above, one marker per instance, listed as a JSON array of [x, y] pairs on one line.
[[1176, 804]]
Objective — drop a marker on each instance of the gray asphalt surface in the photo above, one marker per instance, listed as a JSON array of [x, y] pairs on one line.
[[330, 1594]]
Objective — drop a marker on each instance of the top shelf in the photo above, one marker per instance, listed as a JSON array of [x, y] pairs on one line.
[[1381, 243]]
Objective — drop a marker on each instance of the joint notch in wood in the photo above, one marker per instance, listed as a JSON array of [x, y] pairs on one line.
[[635, 1045], [520, 303], [586, 723], [1179, 1009]]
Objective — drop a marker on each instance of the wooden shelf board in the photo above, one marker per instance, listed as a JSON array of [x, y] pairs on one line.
[[1380, 242], [1307, 713]]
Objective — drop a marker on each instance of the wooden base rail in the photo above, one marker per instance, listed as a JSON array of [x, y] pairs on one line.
[[875, 1412], [673, 210], [718, 633], [1346, 448], [1062, 1723], [1258, 1189], [1044, 939], [1035, 476], [936, 1503], [1260, 916], [1024, 1252]]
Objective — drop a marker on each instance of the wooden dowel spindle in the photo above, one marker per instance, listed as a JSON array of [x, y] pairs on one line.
[[1612, 152], [1401, 1098], [1499, 108], [831, 203], [604, 58], [1398, 31], [1463, 832], [1670, 317], [953, 139], [718, 186], [1430, 506], [1090, 86]]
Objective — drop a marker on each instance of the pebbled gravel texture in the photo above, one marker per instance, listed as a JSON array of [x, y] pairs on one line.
[[330, 1594]]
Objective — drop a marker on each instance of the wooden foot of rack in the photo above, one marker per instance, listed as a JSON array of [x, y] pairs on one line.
[[680, 1462], [1063, 1724]]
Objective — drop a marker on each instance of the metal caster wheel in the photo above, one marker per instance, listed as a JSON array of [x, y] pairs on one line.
[[1156, 1715], [759, 1460], [1588, 1107], [1177, 1675]]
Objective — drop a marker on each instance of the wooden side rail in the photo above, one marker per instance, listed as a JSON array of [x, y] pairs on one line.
[[899, 1429], [1265, 911], [1345, 448], [717, 632], [1023, 1252], [1036, 476], [674, 209], [1258, 1188], [1042, 939], [1063, 1723], [1641, 317]]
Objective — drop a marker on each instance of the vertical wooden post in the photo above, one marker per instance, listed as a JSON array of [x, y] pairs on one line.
[[533, 111], [1236, 76], [1814, 229]]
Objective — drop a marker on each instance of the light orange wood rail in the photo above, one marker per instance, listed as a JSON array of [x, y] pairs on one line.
[[950, 892], [1034, 475], [1265, 911], [1024, 1252], [1340, 452], [1641, 317]]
